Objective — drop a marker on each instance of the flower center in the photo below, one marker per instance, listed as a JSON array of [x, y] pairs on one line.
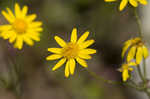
[[125, 66], [20, 25], [71, 50], [140, 44]]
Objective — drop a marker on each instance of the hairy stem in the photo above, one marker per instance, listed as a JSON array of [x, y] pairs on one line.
[[94, 75]]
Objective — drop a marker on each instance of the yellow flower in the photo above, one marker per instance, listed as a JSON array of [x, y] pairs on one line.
[[125, 68], [75, 50], [124, 3], [21, 27], [136, 50]]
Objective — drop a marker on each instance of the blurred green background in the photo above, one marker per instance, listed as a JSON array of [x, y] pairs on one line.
[[109, 27]]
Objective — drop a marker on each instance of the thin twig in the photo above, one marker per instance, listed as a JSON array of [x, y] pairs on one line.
[[93, 74]]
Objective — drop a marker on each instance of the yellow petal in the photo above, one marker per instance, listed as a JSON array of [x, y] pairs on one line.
[[17, 10], [145, 51], [72, 66], [13, 37], [123, 4], [144, 2], [60, 41], [31, 17], [131, 53], [139, 55], [137, 39], [125, 75], [28, 40], [133, 3], [67, 69], [3, 34], [88, 51], [132, 64], [125, 48], [34, 36], [81, 62], [128, 42], [38, 29], [6, 34], [55, 50], [87, 43], [10, 14], [8, 17], [130, 69], [35, 24], [5, 27], [53, 57], [19, 42], [83, 37], [74, 35], [24, 11], [59, 64], [84, 56], [109, 0], [34, 31]]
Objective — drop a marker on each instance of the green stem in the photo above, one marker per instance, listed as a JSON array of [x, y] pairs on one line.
[[18, 96], [138, 23], [3, 83], [93, 74], [144, 67], [140, 73], [132, 82]]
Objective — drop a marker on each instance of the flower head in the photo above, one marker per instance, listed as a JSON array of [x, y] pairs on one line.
[[125, 68], [136, 50], [124, 3], [75, 50], [21, 27]]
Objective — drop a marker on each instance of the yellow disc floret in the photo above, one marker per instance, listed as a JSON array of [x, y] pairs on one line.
[[71, 50], [20, 26]]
